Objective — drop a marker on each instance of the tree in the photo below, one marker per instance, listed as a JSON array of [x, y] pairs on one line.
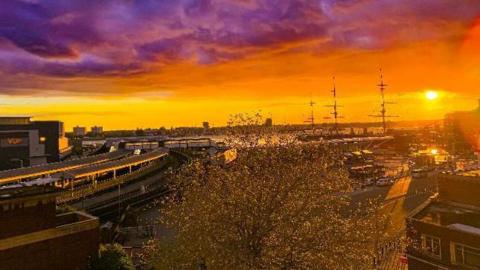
[[111, 257], [280, 205]]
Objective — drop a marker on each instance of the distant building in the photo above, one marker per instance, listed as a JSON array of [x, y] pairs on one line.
[[462, 131], [97, 130], [33, 235], [26, 143], [444, 232], [206, 125], [79, 131], [268, 122]]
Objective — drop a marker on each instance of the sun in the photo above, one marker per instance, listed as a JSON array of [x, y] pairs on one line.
[[431, 95]]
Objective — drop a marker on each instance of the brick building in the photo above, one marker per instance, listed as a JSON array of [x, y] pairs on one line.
[[444, 232], [34, 235]]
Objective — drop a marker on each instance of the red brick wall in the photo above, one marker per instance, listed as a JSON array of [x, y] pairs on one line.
[[69, 252]]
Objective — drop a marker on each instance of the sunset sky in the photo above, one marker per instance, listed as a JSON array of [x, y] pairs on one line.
[[128, 64]]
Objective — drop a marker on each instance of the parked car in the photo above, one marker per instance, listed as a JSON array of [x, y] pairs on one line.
[[369, 181], [383, 182]]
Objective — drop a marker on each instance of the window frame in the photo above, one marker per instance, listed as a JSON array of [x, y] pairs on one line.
[[428, 251], [454, 258]]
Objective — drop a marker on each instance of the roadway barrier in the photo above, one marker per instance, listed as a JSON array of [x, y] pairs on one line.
[[77, 194]]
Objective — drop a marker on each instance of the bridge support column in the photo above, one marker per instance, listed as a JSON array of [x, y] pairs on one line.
[[114, 174], [130, 169]]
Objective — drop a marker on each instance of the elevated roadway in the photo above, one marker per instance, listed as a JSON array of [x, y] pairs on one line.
[[112, 166], [22, 174]]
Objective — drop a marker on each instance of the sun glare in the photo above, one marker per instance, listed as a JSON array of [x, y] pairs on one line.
[[431, 95]]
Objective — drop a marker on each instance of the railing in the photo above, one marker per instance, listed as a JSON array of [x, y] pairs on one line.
[[77, 194]]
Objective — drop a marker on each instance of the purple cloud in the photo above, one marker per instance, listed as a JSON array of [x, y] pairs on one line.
[[52, 38]]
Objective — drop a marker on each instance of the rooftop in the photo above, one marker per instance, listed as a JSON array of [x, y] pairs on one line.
[[14, 120], [23, 192], [449, 215]]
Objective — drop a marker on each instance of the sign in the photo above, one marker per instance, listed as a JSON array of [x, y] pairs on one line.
[[13, 142]]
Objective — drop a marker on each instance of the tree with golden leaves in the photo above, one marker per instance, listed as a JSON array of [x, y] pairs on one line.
[[280, 205]]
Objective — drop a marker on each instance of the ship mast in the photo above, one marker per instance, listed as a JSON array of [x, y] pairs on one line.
[[311, 118], [383, 109], [383, 105], [334, 107]]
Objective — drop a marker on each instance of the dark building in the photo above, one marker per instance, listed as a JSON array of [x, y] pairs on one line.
[[26, 143], [268, 122], [34, 235], [444, 232], [206, 125], [96, 131]]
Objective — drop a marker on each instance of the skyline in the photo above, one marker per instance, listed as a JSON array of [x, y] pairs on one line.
[[160, 63]]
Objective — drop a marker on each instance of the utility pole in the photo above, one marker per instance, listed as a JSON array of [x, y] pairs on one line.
[[335, 106], [383, 108]]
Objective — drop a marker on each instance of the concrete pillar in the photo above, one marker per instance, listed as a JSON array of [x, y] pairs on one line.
[[114, 174], [130, 169]]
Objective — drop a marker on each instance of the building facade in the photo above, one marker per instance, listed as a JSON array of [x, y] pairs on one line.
[[97, 130], [79, 131], [34, 235], [26, 143], [444, 232]]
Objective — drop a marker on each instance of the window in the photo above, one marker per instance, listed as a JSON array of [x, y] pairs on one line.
[[431, 246], [466, 256]]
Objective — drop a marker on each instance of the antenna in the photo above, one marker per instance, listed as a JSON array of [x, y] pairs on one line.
[[383, 108], [335, 106]]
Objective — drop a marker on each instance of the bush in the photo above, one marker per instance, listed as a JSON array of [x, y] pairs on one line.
[[111, 257]]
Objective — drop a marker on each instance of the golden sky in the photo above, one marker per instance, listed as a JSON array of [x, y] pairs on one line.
[[150, 64]]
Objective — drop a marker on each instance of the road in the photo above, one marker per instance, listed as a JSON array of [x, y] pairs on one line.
[[399, 199]]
